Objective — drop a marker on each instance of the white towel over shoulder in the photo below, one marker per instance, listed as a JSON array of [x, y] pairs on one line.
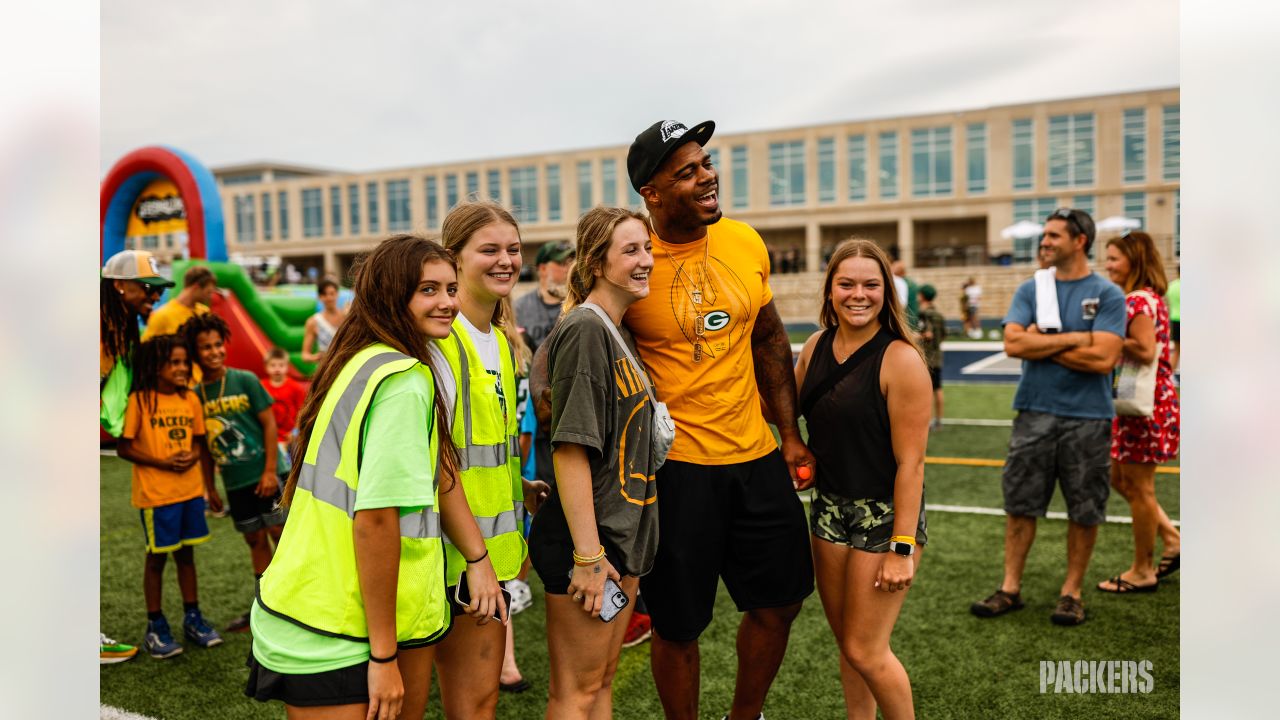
[[1047, 317]]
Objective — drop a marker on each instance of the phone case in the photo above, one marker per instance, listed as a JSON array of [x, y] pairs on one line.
[[613, 602]]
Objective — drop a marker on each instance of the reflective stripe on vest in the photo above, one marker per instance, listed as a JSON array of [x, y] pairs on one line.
[[313, 580], [504, 522], [471, 454], [320, 478]]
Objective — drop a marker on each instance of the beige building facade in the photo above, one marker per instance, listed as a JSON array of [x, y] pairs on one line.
[[935, 190]]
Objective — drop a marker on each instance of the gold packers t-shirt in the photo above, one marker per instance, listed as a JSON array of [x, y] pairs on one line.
[[713, 398]]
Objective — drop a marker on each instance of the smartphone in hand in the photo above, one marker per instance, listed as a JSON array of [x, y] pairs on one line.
[[613, 602], [462, 596]]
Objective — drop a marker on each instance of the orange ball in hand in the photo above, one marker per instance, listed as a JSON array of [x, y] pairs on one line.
[[803, 472]]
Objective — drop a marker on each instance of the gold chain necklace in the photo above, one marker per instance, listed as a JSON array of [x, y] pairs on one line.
[[222, 389], [695, 296]]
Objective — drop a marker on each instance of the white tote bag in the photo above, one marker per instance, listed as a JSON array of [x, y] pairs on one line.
[[1134, 386]]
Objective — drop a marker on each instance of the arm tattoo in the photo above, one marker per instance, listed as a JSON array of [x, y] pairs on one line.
[[775, 376]]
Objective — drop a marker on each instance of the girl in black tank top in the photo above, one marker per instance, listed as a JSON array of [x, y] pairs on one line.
[[868, 443]]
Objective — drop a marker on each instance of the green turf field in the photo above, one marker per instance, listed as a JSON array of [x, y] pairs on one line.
[[960, 666]]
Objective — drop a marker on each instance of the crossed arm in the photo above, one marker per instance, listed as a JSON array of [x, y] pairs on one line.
[[1084, 351]]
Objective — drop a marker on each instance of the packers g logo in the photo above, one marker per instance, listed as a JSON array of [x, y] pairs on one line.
[[716, 319]]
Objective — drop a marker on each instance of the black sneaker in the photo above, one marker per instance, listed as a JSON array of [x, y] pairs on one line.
[[998, 603], [240, 624], [1069, 611]]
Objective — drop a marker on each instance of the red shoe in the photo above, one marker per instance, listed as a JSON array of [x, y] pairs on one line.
[[638, 630]]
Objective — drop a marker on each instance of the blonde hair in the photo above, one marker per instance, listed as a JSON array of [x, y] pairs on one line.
[[464, 221], [595, 231], [891, 317]]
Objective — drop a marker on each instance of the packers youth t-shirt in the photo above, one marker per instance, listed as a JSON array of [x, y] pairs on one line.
[[162, 425], [706, 375], [231, 407]]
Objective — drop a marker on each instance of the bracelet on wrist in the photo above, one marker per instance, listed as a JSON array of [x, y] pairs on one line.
[[485, 555], [582, 561], [385, 659], [908, 539]]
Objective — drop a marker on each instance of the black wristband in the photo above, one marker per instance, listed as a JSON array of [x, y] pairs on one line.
[[485, 555], [385, 659]]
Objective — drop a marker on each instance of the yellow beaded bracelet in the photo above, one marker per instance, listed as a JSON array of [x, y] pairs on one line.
[[585, 561]]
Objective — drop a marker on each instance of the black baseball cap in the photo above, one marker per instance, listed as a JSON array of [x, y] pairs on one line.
[[653, 146]]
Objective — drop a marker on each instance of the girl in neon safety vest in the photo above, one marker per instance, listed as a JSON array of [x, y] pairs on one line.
[[347, 615], [484, 238]]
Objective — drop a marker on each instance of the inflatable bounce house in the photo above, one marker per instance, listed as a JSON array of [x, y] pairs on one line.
[[162, 190]]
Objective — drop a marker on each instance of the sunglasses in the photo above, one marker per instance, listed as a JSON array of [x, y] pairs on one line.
[[151, 289], [1068, 214]]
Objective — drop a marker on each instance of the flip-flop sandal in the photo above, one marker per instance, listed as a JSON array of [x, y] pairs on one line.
[[1120, 586], [1169, 565]]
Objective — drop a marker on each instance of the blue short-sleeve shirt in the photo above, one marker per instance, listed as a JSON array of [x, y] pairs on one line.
[[1092, 303]]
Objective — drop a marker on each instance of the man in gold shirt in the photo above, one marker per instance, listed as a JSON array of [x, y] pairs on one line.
[[715, 346]]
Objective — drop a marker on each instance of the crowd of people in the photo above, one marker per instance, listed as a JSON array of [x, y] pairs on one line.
[[392, 508]]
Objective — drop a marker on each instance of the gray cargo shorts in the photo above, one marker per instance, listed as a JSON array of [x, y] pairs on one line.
[[1045, 449]]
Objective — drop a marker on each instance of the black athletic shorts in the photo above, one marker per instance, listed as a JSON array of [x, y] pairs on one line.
[[250, 512], [344, 686], [935, 377], [551, 555], [456, 610], [741, 522]]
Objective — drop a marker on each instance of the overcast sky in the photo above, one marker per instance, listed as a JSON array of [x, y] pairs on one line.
[[362, 85]]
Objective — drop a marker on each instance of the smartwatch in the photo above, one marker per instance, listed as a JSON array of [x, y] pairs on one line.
[[902, 548]]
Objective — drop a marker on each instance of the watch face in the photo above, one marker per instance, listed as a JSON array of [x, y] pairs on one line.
[[901, 548]]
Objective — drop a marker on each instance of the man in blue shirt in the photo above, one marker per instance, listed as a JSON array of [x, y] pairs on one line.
[[1062, 433]]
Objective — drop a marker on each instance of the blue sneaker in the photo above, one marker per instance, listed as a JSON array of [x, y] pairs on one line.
[[196, 628], [159, 641]]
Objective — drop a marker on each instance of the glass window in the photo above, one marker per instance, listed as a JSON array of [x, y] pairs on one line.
[[335, 210], [266, 216], [1023, 154], [826, 170], [714, 154], [931, 161], [1032, 210], [1177, 223], [1171, 141], [857, 167], [975, 150], [1135, 206], [398, 206], [524, 193], [741, 188], [888, 165], [283, 203], [1135, 145], [609, 181], [786, 173], [433, 200], [634, 201], [473, 184], [371, 197], [553, 193], [1071, 150], [495, 185], [450, 191], [245, 230], [353, 208], [585, 201], [312, 213]]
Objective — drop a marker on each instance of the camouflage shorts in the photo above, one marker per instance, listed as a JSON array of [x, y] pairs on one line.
[[864, 524], [1047, 451]]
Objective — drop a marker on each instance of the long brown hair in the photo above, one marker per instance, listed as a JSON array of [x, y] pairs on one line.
[[1146, 267], [891, 315], [595, 231], [118, 323], [465, 220], [385, 280]]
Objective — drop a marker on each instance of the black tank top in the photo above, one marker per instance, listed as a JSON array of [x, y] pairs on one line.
[[849, 424]]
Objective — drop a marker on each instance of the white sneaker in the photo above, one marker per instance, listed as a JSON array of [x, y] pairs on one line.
[[521, 595]]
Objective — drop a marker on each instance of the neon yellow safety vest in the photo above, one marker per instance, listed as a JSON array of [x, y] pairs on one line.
[[489, 452], [313, 580]]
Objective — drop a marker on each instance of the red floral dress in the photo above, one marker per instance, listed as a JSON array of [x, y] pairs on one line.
[[1150, 439]]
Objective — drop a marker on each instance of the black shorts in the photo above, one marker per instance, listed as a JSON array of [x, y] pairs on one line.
[[1175, 331], [935, 376], [741, 522], [344, 686], [456, 610], [251, 513], [552, 557]]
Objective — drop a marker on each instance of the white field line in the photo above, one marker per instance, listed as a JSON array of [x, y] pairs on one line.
[[956, 345], [107, 452], [106, 712], [988, 366], [979, 422]]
